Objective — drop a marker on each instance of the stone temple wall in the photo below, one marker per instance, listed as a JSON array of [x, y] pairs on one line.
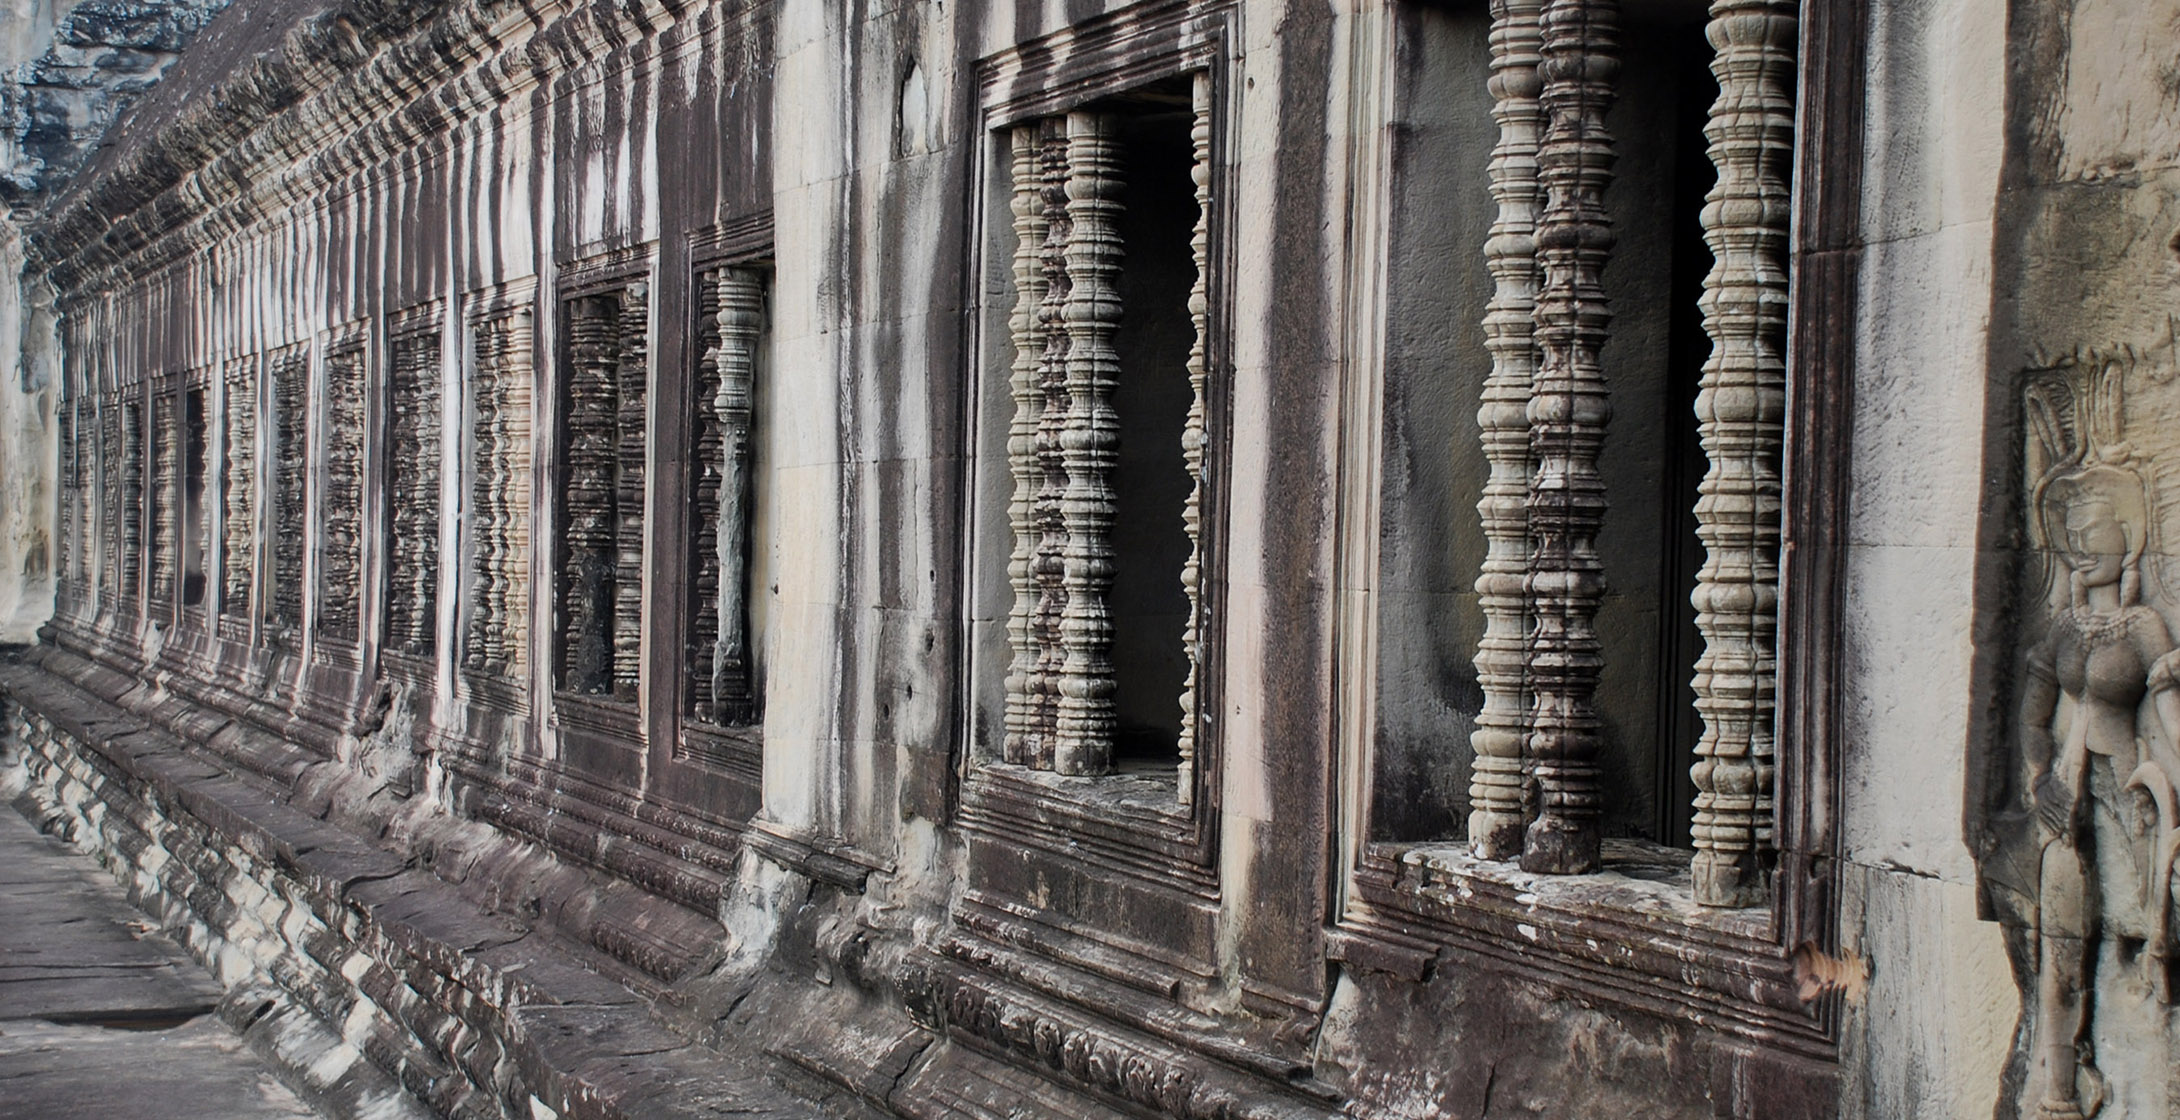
[[574, 544]]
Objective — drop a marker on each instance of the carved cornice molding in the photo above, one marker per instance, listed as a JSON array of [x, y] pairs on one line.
[[346, 89]]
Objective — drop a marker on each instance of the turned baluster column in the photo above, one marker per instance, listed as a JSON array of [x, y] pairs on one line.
[[1495, 818], [1741, 409], [1084, 727], [631, 382], [1195, 433], [1568, 411], [741, 318], [1048, 565], [1024, 725]]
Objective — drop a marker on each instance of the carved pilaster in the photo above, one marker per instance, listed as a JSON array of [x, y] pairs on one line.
[[1049, 566], [1084, 725], [1741, 409], [1025, 728], [412, 471], [238, 487], [290, 370], [1568, 410], [590, 533], [1495, 797], [1195, 433], [340, 558]]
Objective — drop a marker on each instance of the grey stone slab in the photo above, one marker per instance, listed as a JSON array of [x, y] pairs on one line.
[[73, 949], [198, 1071], [100, 1015]]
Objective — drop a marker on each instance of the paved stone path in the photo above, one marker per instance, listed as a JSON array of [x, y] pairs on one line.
[[102, 1017]]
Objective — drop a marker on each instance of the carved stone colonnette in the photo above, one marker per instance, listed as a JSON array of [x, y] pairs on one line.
[[1063, 441], [1538, 662]]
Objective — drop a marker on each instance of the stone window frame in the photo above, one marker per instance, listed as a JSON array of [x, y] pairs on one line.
[[424, 322], [1754, 973], [618, 720], [499, 576], [737, 746], [1170, 838]]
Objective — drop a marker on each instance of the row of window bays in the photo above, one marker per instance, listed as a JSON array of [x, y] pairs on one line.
[[210, 508], [293, 498]]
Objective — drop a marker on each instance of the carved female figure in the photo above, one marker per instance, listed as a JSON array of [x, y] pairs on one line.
[[2102, 793]]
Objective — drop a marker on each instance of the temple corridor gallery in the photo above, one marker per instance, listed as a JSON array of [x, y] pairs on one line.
[[1223, 559]]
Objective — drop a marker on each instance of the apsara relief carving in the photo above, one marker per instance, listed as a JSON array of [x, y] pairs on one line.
[[2079, 848]]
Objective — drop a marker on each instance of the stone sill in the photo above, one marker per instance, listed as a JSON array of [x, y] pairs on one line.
[[1630, 935], [1640, 880]]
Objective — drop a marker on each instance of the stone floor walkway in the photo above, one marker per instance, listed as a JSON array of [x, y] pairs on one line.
[[100, 1016]]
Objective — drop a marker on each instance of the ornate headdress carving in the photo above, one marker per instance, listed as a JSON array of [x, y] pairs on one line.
[[2079, 456]]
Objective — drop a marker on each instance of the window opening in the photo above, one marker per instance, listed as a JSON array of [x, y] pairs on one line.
[[238, 490], [412, 487], [163, 499], [602, 493], [500, 435], [340, 583], [192, 508], [290, 373], [130, 540], [722, 669], [1107, 446]]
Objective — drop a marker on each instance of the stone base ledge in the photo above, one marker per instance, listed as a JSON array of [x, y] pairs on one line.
[[377, 987]]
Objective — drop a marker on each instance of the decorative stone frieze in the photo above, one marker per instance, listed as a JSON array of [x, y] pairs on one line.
[[1495, 788], [1568, 409], [720, 685]]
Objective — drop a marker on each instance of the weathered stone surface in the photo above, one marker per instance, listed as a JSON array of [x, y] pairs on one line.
[[100, 1014]]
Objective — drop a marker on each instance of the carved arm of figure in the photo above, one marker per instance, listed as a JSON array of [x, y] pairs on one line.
[[2053, 798], [2155, 775]]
